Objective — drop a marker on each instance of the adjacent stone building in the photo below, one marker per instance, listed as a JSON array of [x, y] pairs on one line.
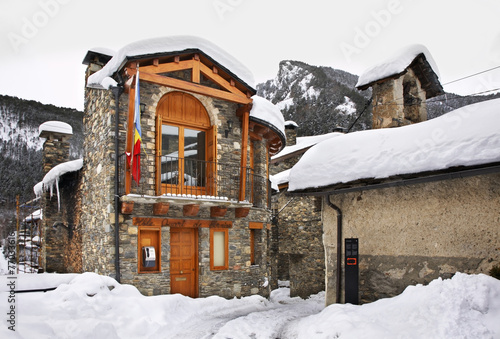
[[197, 222], [406, 205], [296, 253]]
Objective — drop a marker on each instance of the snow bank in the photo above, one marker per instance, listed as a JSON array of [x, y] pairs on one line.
[[396, 64], [466, 306], [465, 137], [92, 306], [266, 111], [170, 44]]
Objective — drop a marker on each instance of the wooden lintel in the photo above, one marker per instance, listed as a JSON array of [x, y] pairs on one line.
[[192, 87], [186, 223]]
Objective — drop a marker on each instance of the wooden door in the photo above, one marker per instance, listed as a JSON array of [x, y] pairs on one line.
[[184, 261]]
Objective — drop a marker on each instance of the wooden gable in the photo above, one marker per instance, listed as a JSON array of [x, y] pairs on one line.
[[206, 77]]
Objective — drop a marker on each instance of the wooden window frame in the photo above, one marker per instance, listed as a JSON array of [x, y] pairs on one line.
[[254, 228], [140, 267], [226, 249]]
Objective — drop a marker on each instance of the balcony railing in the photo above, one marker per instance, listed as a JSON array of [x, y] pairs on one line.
[[193, 178]]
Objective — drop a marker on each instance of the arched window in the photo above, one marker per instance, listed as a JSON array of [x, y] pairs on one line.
[[185, 144]]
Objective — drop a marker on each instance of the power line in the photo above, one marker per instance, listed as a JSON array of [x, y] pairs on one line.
[[472, 75]]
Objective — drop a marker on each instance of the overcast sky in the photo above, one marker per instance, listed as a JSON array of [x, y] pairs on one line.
[[43, 42]]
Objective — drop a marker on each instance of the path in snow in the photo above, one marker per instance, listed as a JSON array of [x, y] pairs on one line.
[[249, 320]]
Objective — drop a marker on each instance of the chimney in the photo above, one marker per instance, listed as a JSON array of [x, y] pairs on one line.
[[56, 146], [291, 132]]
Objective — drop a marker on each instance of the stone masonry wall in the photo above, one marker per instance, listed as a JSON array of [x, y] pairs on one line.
[[301, 257], [242, 278], [390, 109], [414, 234], [97, 184]]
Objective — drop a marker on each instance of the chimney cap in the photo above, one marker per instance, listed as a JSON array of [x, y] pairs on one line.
[[291, 124], [56, 129]]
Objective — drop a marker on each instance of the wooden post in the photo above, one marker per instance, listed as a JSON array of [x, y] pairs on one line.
[[244, 146]]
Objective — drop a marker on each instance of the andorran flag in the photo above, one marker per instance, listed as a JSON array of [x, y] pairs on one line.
[[135, 161]]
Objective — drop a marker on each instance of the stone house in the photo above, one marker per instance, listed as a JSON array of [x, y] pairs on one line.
[[198, 220], [406, 205], [296, 251]]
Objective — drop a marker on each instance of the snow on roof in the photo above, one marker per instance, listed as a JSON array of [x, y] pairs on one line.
[[396, 64], [55, 127], [266, 111], [305, 142], [103, 50], [51, 179], [291, 123], [467, 136], [169, 44], [279, 178], [35, 215]]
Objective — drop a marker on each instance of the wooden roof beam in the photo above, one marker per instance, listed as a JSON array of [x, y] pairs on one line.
[[190, 87]]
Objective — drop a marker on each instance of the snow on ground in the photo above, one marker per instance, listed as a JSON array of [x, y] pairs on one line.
[[92, 306]]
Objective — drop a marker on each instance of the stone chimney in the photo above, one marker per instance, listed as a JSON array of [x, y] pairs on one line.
[[399, 94], [56, 146], [291, 132]]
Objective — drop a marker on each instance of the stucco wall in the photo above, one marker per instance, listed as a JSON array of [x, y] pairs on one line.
[[414, 234]]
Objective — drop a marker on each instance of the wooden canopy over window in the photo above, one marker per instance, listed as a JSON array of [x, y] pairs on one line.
[[223, 85]]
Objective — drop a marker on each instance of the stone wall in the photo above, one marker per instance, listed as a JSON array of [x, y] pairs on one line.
[[398, 102], [300, 257], [62, 240], [414, 234], [240, 279], [97, 183], [98, 216]]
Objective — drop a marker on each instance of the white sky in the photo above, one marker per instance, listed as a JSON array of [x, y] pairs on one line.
[[43, 42]]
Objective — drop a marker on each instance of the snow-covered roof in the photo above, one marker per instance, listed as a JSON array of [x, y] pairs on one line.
[[279, 178], [468, 136], [171, 44], [396, 65], [35, 215], [304, 143], [51, 179], [265, 111], [291, 123], [55, 127]]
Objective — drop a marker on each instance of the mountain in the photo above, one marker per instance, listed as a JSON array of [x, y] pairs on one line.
[[321, 98], [21, 148], [317, 98]]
